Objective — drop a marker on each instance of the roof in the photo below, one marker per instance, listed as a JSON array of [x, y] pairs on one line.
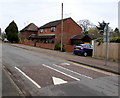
[[94, 36], [77, 37], [91, 36], [30, 27], [52, 24]]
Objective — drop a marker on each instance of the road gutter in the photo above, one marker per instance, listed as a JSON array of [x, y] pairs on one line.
[[10, 76]]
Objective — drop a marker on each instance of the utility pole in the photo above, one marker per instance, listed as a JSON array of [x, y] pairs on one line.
[[106, 39], [62, 28]]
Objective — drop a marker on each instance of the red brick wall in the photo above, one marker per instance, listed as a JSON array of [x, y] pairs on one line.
[[25, 35], [71, 28], [69, 48], [47, 46]]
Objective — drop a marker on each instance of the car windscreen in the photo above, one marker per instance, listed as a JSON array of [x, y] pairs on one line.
[[86, 46]]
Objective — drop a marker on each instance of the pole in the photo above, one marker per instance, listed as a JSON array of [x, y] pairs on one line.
[[107, 41], [62, 28]]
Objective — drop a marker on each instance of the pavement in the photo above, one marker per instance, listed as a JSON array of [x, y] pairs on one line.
[[88, 61]]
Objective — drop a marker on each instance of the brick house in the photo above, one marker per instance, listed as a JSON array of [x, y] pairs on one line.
[[28, 30], [50, 33]]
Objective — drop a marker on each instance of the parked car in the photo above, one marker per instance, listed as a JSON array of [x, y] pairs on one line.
[[5, 40], [83, 49]]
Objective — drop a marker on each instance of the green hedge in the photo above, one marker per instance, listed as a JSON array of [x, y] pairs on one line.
[[58, 47], [112, 39], [115, 39]]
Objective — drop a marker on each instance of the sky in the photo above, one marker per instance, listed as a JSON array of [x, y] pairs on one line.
[[41, 12]]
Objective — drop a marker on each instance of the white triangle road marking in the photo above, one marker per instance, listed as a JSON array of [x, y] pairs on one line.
[[57, 81]]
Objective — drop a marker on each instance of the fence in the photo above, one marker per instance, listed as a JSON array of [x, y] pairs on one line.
[[113, 50]]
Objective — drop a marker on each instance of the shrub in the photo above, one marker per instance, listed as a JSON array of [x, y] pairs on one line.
[[115, 39], [112, 39], [58, 47]]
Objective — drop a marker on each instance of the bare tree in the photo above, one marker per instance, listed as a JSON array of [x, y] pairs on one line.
[[86, 25]]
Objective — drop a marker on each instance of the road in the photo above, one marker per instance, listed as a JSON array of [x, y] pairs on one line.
[[38, 74], [9, 88]]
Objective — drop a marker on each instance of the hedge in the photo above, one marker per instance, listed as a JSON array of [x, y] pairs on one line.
[[112, 39]]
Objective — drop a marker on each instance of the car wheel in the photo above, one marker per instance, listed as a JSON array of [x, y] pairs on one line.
[[85, 54]]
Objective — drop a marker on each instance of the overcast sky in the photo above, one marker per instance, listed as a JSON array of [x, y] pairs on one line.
[[41, 12]]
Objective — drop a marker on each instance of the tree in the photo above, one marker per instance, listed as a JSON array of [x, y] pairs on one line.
[[12, 32], [86, 25], [3, 36], [101, 27], [117, 30], [93, 31]]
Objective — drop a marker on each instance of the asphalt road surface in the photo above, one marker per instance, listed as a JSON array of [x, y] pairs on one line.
[[38, 74], [9, 88]]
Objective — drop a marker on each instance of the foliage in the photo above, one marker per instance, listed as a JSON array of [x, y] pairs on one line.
[[86, 32], [116, 30], [93, 31], [12, 32], [3, 36], [99, 40], [101, 27], [112, 39], [115, 39], [58, 47]]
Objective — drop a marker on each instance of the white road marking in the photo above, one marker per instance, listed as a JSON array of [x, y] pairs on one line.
[[65, 64], [57, 81], [73, 72], [61, 72], [28, 77]]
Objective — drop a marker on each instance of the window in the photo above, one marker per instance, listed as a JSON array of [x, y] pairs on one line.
[[41, 30], [45, 30], [52, 29]]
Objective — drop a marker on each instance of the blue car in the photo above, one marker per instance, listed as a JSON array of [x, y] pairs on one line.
[[83, 49]]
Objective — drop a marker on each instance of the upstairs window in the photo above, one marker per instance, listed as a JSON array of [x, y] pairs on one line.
[[41, 30], [52, 29]]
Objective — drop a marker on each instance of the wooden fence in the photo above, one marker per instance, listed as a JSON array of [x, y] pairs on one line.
[[113, 50]]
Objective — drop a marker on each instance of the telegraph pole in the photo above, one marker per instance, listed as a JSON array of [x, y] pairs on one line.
[[62, 28], [106, 39]]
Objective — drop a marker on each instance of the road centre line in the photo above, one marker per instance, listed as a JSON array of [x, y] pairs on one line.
[[61, 72], [28, 77], [73, 71]]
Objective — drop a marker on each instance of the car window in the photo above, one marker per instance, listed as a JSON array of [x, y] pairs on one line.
[[89, 46], [85, 46]]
